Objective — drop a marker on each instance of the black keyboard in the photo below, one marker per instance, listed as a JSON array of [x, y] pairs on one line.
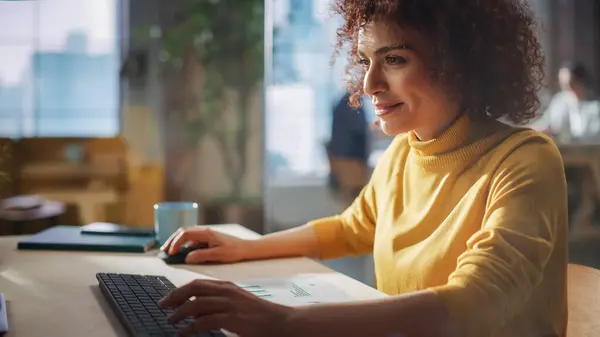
[[134, 298]]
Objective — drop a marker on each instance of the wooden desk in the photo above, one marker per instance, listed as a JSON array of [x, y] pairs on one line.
[[52, 293]]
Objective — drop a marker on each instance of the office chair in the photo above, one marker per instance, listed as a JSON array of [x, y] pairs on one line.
[[584, 301]]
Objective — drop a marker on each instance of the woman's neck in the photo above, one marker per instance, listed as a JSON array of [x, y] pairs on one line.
[[423, 135]]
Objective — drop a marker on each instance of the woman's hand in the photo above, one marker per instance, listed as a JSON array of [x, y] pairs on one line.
[[224, 305], [221, 247]]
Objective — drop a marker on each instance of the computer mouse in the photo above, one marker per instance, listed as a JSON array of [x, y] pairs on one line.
[[179, 257]]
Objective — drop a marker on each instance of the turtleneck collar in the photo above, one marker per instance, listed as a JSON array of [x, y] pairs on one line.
[[459, 144], [453, 137]]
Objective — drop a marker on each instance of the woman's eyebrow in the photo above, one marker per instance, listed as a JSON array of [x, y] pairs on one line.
[[389, 48]]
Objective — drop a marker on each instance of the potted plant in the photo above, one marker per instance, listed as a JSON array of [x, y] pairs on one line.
[[218, 45]]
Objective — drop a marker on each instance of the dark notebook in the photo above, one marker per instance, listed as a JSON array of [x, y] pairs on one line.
[[71, 238], [106, 228]]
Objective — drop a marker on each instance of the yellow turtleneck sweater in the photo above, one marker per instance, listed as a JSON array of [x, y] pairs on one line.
[[478, 215]]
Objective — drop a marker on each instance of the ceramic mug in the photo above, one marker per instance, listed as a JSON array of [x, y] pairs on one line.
[[170, 216]]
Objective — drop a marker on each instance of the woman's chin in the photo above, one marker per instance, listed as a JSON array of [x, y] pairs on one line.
[[392, 129]]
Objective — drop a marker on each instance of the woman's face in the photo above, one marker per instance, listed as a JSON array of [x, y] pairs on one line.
[[398, 82]]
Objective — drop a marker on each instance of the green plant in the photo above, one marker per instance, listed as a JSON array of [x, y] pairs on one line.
[[225, 39]]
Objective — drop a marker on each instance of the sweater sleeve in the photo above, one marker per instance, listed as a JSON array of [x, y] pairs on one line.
[[505, 260], [350, 233]]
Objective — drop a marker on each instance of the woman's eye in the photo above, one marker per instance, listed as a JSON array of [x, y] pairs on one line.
[[363, 62], [391, 59]]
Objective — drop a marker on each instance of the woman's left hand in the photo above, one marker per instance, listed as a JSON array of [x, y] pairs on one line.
[[224, 305]]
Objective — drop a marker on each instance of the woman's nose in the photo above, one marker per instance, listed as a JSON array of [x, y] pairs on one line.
[[374, 82]]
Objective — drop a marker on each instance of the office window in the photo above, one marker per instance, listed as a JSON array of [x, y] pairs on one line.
[[301, 88], [59, 68]]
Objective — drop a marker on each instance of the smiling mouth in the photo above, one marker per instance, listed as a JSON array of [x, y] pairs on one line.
[[385, 110]]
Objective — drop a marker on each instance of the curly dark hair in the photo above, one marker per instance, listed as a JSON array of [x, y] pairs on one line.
[[484, 53]]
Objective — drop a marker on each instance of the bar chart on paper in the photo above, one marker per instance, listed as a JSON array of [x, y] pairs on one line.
[[295, 291], [257, 290]]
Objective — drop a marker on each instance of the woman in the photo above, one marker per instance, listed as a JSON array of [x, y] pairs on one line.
[[466, 216]]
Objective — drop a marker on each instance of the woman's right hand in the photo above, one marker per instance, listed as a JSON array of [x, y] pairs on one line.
[[221, 247]]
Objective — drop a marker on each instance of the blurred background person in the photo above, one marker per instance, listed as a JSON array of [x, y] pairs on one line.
[[348, 150], [574, 112], [573, 116]]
